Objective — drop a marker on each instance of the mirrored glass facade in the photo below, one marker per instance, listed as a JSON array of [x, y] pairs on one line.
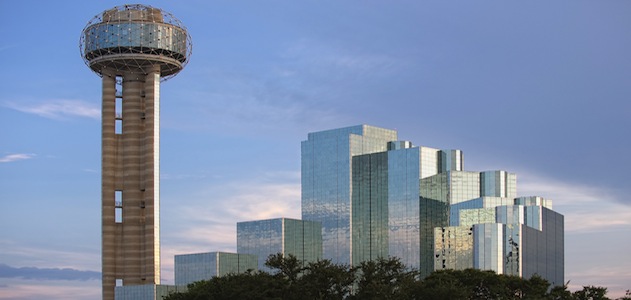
[[326, 181], [488, 240], [366, 195], [470, 217], [543, 250], [470, 212], [369, 208], [454, 247], [203, 266], [507, 238], [405, 168], [498, 184], [387, 208], [534, 200], [146, 291], [451, 160], [263, 238]]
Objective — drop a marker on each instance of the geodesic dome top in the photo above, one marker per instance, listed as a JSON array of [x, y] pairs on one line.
[[135, 38]]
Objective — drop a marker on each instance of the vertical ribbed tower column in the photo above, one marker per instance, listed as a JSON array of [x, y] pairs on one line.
[[109, 149], [137, 46], [151, 173], [132, 194]]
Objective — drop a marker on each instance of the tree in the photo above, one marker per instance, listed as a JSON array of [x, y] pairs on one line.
[[384, 279], [627, 296], [324, 280], [535, 288], [250, 285], [443, 284], [286, 269], [380, 279], [286, 266], [560, 293], [591, 293]]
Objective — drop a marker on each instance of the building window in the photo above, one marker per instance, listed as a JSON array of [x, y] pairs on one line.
[[118, 214], [118, 206], [118, 126]]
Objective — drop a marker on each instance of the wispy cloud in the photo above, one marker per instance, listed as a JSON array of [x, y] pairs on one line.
[[253, 105], [58, 109], [25, 289], [312, 84], [232, 203], [212, 214], [615, 278], [16, 157], [320, 55], [586, 208], [50, 256], [35, 273]]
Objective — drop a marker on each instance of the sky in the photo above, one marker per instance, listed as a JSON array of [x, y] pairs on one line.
[[538, 88]]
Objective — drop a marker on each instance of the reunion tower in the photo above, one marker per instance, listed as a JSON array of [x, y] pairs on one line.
[[133, 48]]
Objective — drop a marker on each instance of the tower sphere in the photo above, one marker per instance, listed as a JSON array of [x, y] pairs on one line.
[[134, 38]]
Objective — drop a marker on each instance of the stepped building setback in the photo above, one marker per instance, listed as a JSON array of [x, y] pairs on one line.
[[366, 195], [378, 196]]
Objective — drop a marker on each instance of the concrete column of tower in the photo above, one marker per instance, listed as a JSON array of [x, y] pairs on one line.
[[151, 175], [109, 148], [132, 140]]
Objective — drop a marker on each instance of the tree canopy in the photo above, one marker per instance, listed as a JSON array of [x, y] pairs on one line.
[[379, 279]]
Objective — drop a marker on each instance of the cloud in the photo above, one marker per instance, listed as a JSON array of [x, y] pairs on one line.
[[585, 207], [212, 216], [7, 271], [613, 277], [212, 213], [311, 84], [16, 157], [24, 289], [59, 109], [243, 103], [322, 57], [51, 256]]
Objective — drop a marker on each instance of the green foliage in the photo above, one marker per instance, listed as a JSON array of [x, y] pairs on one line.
[[560, 293], [627, 296], [324, 280], [477, 284], [383, 278], [250, 285], [591, 293], [288, 267]]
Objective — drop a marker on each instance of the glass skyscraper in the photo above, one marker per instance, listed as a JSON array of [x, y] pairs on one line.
[[263, 238], [493, 234], [377, 196], [366, 195], [146, 291], [327, 179], [203, 266]]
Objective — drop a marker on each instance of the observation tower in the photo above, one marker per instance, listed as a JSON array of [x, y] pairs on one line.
[[132, 48]]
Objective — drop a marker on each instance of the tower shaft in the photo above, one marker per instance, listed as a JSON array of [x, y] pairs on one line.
[[130, 180]]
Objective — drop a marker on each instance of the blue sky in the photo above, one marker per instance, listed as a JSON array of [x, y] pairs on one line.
[[538, 88]]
